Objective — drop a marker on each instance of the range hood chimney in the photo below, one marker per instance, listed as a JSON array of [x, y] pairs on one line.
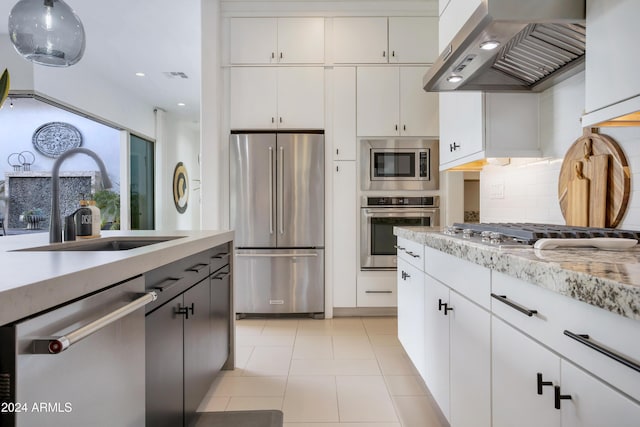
[[513, 46]]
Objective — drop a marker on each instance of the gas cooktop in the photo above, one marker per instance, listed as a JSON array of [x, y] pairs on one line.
[[526, 234]]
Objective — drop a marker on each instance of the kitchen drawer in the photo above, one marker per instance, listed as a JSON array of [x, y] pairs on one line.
[[515, 301], [412, 252], [616, 334], [557, 313], [220, 256], [469, 279], [377, 294], [175, 278]]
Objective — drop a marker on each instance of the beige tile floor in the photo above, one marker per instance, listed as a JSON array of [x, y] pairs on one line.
[[341, 372]]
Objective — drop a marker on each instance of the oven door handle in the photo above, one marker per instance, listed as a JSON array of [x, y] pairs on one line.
[[55, 345], [405, 212]]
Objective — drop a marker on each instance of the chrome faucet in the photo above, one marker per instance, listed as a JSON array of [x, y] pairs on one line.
[[55, 226]]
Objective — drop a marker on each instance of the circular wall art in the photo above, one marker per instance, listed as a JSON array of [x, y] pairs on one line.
[[53, 139], [180, 187]]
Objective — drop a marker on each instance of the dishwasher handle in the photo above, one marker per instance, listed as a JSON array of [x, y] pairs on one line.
[[55, 345]]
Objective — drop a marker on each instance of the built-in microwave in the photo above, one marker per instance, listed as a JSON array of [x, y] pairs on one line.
[[399, 164]]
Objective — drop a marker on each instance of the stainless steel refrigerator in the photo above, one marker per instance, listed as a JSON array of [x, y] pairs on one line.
[[277, 212]]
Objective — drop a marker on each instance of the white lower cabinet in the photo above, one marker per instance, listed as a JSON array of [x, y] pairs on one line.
[[345, 219], [593, 403], [436, 342], [470, 363], [527, 377], [519, 364], [411, 312]]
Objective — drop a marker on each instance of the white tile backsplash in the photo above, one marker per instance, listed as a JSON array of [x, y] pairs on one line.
[[531, 185]]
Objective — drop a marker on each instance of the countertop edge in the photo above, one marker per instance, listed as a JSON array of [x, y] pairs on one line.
[[608, 294], [27, 299]]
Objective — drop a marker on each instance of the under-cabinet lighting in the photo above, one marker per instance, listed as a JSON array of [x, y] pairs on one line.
[[140, 74], [454, 78], [181, 104]]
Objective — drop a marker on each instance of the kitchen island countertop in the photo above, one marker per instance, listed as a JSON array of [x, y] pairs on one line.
[[33, 281], [605, 279]]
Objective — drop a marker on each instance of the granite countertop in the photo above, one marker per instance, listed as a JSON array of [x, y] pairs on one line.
[[605, 279], [35, 281]]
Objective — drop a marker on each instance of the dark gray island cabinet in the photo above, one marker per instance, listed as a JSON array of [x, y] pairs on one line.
[[187, 334]]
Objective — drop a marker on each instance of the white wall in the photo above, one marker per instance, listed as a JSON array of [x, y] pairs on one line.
[[531, 186], [20, 122], [179, 140], [79, 88]]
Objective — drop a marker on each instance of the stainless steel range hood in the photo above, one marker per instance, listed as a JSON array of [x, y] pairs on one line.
[[539, 43]]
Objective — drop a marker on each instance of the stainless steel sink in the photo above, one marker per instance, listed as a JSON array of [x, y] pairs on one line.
[[122, 243]]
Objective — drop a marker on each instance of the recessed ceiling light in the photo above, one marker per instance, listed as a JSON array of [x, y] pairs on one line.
[[489, 44], [454, 78], [140, 74], [181, 104]]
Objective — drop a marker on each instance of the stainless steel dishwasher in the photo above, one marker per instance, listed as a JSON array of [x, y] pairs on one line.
[[81, 364]]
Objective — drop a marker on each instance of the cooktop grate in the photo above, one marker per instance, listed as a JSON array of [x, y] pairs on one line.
[[530, 232]]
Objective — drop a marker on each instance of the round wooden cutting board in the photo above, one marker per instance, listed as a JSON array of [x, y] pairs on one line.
[[606, 167]]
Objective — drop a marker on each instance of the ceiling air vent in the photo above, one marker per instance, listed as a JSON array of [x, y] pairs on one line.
[[175, 75]]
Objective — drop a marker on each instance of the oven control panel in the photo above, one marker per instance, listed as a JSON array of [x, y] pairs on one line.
[[428, 201]]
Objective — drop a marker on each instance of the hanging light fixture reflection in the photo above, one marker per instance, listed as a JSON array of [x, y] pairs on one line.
[[47, 32]]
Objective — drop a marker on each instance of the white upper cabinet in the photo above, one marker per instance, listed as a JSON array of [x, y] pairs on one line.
[[277, 40], [413, 40], [277, 98], [391, 102], [452, 17], [359, 40], [376, 40], [476, 125], [612, 42], [344, 112]]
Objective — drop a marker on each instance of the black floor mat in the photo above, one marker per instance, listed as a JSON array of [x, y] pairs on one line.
[[241, 419]]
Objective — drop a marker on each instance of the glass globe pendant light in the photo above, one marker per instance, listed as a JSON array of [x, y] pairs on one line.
[[47, 32]]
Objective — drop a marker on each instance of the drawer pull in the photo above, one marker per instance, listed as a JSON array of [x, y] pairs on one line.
[[558, 397], [521, 309], [221, 276], [166, 284], [542, 383], [378, 292], [400, 248], [444, 305], [412, 254], [221, 255], [198, 267], [584, 339]]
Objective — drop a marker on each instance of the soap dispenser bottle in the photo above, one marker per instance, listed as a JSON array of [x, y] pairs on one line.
[[96, 220], [84, 218]]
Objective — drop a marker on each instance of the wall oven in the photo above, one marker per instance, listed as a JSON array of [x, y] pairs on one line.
[[399, 164], [378, 216]]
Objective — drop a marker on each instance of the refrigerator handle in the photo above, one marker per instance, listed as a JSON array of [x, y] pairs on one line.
[[270, 190], [281, 191]]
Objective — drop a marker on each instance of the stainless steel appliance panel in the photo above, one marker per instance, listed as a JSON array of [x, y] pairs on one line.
[[279, 281], [98, 381], [253, 197], [300, 191], [399, 164], [377, 241]]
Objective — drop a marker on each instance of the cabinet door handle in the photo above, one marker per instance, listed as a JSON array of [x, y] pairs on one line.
[[280, 55], [337, 170], [273, 55], [396, 127], [584, 339], [542, 383], [280, 119], [337, 151], [453, 147], [378, 292], [503, 299], [405, 275], [404, 127], [184, 310], [384, 53], [273, 120], [393, 53], [400, 248], [558, 397], [447, 309], [412, 254]]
